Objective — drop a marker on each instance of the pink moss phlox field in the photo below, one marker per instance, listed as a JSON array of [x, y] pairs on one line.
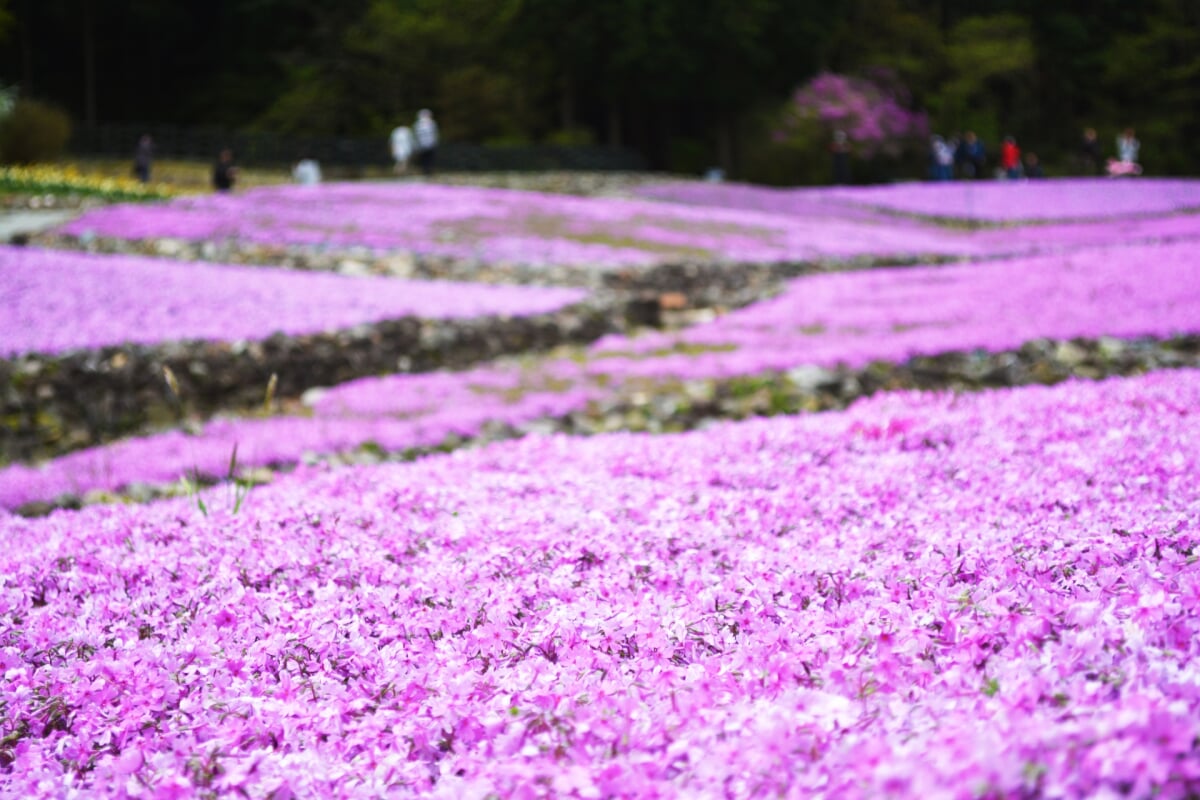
[[167, 457], [395, 413], [700, 221], [822, 206], [823, 320], [1013, 201], [990, 201], [496, 225], [52, 301], [894, 314], [990, 595]]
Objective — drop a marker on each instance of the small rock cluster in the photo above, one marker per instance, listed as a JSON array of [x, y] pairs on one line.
[[658, 407]]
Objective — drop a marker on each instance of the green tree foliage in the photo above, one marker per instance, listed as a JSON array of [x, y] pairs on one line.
[[689, 83], [33, 131], [890, 34], [6, 20], [398, 56], [1153, 75], [989, 87], [1073, 40]]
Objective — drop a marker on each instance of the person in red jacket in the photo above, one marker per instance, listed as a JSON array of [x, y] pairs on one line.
[[1010, 158]]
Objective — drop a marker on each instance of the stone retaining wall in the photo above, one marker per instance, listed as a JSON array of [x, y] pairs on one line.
[[695, 404], [644, 293], [54, 403], [709, 282], [692, 404]]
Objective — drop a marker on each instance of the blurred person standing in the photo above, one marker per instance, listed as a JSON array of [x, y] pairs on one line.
[[1128, 147], [839, 150], [307, 172], [426, 134], [941, 159], [1089, 152], [143, 158], [1010, 158], [401, 142], [971, 156], [1033, 166], [1126, 162], [224, 173]]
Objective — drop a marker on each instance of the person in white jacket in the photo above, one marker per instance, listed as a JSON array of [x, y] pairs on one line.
[[426, 131], [1128, 146], [402, 148], [1126, 162]]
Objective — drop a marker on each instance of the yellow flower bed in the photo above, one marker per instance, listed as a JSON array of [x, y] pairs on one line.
[[67, 180]]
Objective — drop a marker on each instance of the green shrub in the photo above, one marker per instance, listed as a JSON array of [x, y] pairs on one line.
[[776, 164], [689, 156], [33, 132], [572, 137]]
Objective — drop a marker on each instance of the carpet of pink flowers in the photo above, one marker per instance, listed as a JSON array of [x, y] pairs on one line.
[[990, 201], [932, 595], [894, 314], [53, 301], [698, 221], [497, 225], [1013, 201], [824, 320]]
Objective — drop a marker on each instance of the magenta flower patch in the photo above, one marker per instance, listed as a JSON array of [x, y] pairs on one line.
[[493, 225], [927, 595], [1013, 201], [53, 301], [894, 314], [703, 222], [848, 318], [986, 201]]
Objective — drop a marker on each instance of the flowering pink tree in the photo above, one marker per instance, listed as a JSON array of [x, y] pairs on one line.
[[873, 112]]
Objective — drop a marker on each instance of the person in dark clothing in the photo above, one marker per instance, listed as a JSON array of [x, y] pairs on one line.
[[425, 131], [143, 157], [1089, 152], [840, 151], [971, 156], [1033, 166], [224, 172]]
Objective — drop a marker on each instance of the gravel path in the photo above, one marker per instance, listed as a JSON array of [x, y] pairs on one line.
[[18, 223]]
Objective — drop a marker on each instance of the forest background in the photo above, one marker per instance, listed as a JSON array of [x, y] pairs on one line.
[[688, 84]]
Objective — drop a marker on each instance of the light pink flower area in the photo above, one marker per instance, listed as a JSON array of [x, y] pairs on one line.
[[701, 222], [496, 225], [53, 301], [1012, 201], [1104, 212], [928, 595], [894, 314]]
